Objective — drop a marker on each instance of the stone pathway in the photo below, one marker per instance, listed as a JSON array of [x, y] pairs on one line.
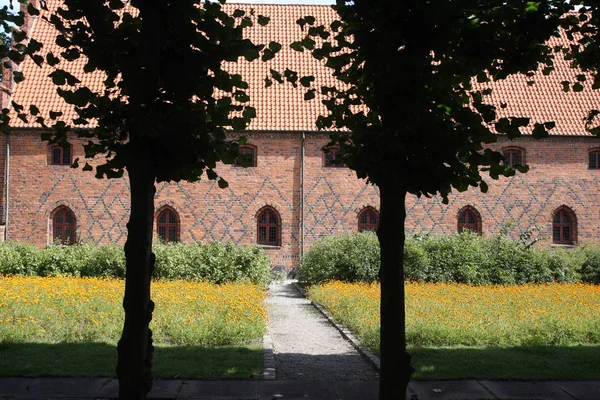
[[306, 346]]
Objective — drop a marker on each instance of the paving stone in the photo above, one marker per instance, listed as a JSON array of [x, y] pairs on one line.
[[13, 386], [110, 389], [50, 387], [87, 387], [288, 390], [165, 389], [362, 390], [219, 390], [449, 390], [581, 390], [510, 390]]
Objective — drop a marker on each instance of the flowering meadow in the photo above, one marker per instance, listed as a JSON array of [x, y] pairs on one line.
[[77, 310], [443, 314]]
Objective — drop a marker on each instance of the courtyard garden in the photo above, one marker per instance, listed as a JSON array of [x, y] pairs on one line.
[[492, 308]]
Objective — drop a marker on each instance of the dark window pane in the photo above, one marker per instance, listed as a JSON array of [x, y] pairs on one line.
[[462, 218], [471, 217], [373, 218], [556, 234], [516, 158], [262, 234], [171, 217], [262, 218], [59, 217], [594, 160], [68, 217], [162, 233], [507, 158], [66, 156], [557, 218], [273, 235], [172, 234], [56, 155], [58, 233], [363, 218], [565, 218], [162, 218], [566, 234]]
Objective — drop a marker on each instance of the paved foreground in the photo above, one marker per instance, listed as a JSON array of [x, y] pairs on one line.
[[305, 344], [102, 388], [307, 359]]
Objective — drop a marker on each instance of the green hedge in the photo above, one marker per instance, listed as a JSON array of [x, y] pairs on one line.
[[464, 258], [214, 262]]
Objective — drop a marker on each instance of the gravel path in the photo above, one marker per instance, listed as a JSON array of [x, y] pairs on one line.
[[305, 345]]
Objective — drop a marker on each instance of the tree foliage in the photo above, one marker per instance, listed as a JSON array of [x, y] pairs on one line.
[[411, 111], [160, 114]]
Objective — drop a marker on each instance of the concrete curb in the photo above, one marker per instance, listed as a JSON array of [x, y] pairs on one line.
[[346, 334], [269, 372]]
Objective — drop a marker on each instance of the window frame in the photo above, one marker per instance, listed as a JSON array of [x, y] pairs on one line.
[[168, 224], [267, 225], [365, 227], [511, 151], [330, 164], [65, 159], [251, 147], [64, 211], [475, 226], [595, 154], [571, 225]]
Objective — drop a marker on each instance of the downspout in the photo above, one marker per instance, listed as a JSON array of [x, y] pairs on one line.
[[7, 180], [303, 154]]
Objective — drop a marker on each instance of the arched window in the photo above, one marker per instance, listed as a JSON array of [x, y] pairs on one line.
[[268, 227], [564, 226], [368, 219], [513, 156], [60, 155], [63, 226], [594, 159], [330, 158], [469, 219], [249, 151], [167, 225]]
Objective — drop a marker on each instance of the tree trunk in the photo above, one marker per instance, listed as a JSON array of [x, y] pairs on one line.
[[135, 350], [395, 361]]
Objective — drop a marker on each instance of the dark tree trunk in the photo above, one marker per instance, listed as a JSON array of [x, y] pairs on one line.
[[135, 350], [395, 361]]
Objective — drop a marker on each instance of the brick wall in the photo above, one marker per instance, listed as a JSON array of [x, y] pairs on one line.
[[333, 196]]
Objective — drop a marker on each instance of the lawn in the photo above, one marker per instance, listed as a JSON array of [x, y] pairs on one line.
[[549, 331], [69, 326]]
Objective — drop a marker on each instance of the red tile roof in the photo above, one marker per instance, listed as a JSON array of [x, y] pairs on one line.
[[282, 108]]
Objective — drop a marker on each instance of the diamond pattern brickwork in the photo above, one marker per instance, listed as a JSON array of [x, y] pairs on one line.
[[333, 197]]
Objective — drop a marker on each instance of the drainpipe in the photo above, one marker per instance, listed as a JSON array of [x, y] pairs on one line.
[[302, 198], [7, 180]]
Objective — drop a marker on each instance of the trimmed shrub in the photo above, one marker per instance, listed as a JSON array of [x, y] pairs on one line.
[[463, 258], [214, 262], [351, 257], [590, 269]]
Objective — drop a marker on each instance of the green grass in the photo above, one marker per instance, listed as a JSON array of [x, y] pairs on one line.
[[65, 326], [100, 360], [482, 332], [501, 363]]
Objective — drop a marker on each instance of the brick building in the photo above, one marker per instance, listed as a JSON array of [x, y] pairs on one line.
[[292, 196]]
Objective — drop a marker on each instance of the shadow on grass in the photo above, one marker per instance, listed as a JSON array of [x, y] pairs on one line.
[[520, 363], [100, 360]]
